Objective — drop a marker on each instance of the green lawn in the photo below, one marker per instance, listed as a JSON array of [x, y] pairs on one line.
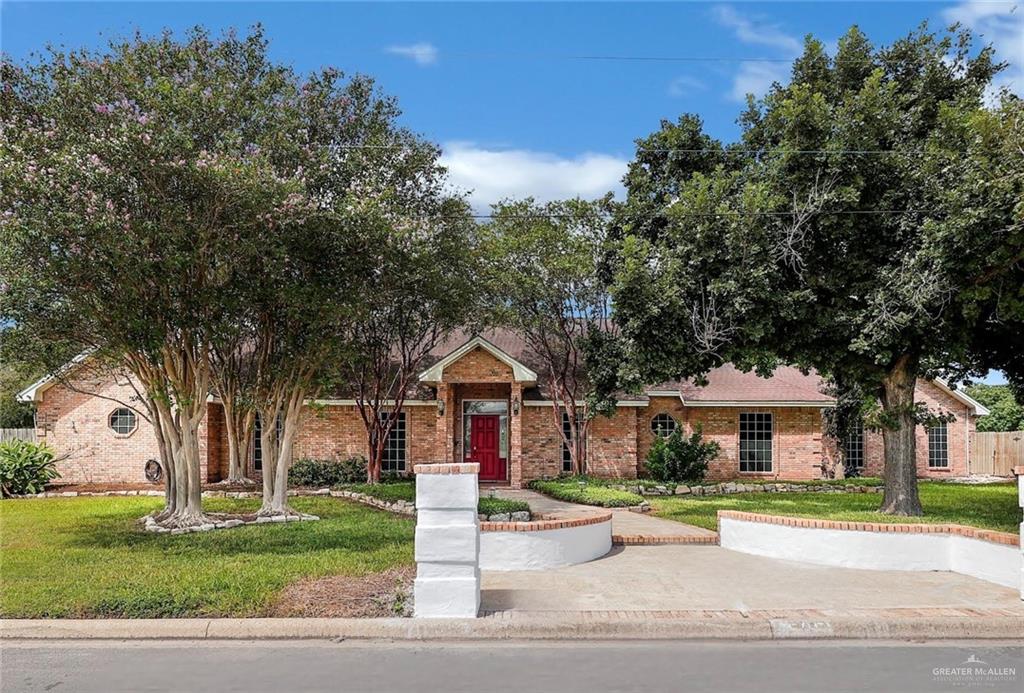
[[392, 491], [991, 506], [85, 557]]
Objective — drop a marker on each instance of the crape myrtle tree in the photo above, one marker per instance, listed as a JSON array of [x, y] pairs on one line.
[[855, 229], [422, 285], [135, 181], [542, 273]]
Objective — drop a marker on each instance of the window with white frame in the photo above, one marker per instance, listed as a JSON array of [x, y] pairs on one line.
[[123, 421], [257, 442], [663, 425], [567, 431], [393, 459], [755, 442], [938, 446], [853, 447]]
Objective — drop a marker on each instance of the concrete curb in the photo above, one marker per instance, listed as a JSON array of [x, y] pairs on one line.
[[533, 628]]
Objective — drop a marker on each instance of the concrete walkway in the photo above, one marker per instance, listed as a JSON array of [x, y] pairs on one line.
[[710, 578], [627, 527]]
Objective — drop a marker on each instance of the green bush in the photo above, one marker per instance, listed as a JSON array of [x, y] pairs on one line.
[[330, 472], [681, 458], [580, 490], [388, 491], [492, 506], [25, 467]]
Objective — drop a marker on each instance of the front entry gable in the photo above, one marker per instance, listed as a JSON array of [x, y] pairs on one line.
[[478, 360]]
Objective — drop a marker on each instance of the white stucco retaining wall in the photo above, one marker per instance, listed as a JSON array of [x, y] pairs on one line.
[[542, 548], [875, 550]]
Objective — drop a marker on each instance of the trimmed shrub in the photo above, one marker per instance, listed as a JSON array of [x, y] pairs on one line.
[[330, 472], [25, 467], [579, 490], [495, 506], [681, 458]]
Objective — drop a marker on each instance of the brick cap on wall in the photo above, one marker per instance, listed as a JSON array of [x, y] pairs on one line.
[[903, 528], [542, 525], [1019, 471], [448, 468]]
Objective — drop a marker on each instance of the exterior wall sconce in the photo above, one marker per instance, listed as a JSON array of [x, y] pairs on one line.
[[440, 407], [515, 407]]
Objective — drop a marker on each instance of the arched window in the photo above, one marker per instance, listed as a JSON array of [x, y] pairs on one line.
[[663, 425], [122, 421]]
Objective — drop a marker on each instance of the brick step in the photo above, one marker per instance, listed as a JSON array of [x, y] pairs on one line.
[[651, 540]]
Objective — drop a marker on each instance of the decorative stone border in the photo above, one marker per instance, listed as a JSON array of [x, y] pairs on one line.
[[152, 526], [730, 487], [985, 554]]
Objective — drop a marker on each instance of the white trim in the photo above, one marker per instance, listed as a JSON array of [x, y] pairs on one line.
[[520, 373], [757, 403], [663, 393], [33, 393], [548, 403], [979, 408], [386, 403]]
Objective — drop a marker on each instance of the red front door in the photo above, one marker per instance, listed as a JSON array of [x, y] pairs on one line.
[[484, 448]]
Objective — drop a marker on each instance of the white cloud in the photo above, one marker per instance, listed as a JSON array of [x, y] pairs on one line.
[[421, 53], [754, 77], [492, 175], [1002, 25], [756, 31], [684, 85]]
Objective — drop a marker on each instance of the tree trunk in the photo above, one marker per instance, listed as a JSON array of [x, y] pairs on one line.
[[238, 426], [268, 450], [899, 439]]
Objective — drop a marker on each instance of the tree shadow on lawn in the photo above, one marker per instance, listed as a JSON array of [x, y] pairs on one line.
[[349, 528]]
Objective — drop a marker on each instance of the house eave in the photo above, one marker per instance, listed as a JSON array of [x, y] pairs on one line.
[[520, 372], [34, 392], [979, 408]]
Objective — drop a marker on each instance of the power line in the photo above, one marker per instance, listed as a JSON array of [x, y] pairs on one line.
[[836, 212], [705, 150]]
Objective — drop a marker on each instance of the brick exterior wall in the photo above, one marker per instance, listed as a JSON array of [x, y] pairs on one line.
[[958, 434], [74, 420], [77, 423]]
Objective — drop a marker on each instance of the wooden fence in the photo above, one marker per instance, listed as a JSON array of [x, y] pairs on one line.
[[28, 434], [996, 453]]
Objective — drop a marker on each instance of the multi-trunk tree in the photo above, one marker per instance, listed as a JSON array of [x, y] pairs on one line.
[[541, 272], [153, 194], [865, 226]]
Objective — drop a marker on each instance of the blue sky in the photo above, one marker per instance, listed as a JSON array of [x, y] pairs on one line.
[[503, 87]]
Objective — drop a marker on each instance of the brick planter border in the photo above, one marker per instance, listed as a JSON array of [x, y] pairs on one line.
[[543, 525], [1004, 538]]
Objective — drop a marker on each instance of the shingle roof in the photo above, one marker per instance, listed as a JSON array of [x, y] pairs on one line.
[[724, 384]]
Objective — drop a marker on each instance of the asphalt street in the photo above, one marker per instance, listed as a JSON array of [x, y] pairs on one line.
[[493, 667]]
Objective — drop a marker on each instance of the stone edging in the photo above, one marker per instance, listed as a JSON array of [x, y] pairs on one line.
[[1005, 538], [543, 525], [152, 526], [447, 468], [730, 487]]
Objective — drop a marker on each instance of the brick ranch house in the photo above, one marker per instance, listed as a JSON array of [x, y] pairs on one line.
[[480, 400]]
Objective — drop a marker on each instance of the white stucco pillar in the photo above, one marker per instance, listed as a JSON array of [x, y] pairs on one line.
[[1019, 471], [447, 541]]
